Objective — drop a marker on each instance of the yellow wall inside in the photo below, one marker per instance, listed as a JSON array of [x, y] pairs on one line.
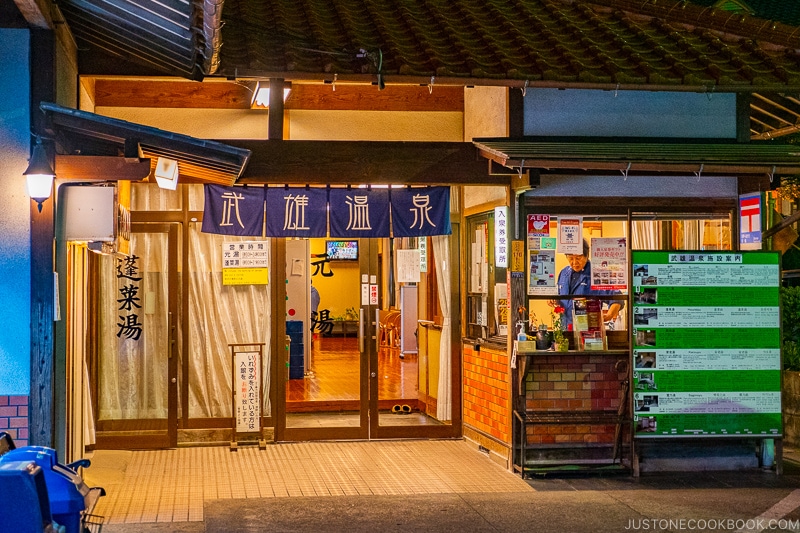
[[340, 291]]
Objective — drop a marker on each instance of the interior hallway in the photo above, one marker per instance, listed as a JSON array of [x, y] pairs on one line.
[[173, 485]]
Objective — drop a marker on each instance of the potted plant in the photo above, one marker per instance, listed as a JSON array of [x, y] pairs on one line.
[[560, 339], [543, 340]]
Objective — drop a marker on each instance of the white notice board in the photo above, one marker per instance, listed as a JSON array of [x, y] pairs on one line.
[[408, 266], [246, 397]]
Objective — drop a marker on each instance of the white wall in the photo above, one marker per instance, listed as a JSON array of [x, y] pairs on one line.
[[221, 124], [485, 112], [15, 214]]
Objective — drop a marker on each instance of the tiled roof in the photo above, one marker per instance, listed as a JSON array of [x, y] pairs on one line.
[[786, 11], [603, 43]]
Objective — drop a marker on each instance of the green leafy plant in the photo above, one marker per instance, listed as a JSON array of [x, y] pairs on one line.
[[790, 314]]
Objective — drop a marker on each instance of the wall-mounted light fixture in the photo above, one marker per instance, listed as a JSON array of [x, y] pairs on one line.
[[261, 95], [39, 175], [167, 173]]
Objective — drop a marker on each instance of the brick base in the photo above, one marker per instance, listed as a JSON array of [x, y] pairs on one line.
[[14, 418], [574, 382]]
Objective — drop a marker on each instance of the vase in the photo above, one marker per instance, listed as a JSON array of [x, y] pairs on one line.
[[562, 346], [542, 339]]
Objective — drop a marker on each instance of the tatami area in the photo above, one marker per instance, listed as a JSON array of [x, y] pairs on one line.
[[173, 485]]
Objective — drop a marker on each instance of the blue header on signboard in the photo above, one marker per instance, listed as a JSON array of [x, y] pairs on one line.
[[297, 212], [234, 210], [421, 212]]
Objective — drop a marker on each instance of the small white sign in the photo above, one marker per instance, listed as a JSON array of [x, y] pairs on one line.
[[501, 237], [245, 254], [373, 295], [570, 235], [408, 266], [365, 294], [246, 395]]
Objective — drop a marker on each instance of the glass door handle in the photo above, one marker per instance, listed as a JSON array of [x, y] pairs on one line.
[[377, 330], [361, 329]]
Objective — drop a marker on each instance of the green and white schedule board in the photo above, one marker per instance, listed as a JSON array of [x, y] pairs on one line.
[[706, 344]]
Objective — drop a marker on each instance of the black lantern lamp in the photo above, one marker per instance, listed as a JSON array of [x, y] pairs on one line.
[[39, 175]]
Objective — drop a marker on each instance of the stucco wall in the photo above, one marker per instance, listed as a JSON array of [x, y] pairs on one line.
[[629, 114], [224, 124], [14, 214]]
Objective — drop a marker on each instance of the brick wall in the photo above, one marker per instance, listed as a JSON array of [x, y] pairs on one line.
[[487, 404], [572, 382], [14, 418]]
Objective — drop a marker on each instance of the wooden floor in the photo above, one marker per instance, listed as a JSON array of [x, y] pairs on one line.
[[334, 375]]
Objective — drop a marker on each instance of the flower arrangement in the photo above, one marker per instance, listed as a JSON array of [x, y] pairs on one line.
[[536, 324], [557, 316]]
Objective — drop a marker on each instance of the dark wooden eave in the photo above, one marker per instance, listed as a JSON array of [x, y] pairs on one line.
[[701, 158], [365, 162], [82, 134]]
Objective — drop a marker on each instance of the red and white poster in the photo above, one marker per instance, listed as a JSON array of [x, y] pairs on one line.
[[538, 225], [570, 235], [609, 263]]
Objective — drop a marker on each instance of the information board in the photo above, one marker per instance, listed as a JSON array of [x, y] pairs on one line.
[[706, 337]]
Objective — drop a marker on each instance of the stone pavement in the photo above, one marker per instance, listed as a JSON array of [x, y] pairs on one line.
[[421, 486]]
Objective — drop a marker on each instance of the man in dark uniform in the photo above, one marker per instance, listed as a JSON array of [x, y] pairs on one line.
[[576, 279]]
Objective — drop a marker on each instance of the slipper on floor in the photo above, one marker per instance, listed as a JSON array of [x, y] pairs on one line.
[[397, 410], [406, 409]]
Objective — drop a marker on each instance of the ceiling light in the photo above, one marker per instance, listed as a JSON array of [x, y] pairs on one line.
[[261, 95], [167, 173]]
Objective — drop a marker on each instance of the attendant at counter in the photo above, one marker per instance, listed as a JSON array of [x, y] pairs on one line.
[[576, 279]]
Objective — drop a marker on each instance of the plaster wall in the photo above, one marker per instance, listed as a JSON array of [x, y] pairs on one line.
[[582, 112], [485, 112], [216, 124], [376, 126], [14, 214], [221, 124]]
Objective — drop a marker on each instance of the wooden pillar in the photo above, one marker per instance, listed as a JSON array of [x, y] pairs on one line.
[[275, 132], [44, 389]]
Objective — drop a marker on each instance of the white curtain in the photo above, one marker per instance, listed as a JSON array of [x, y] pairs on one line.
[[220, 315], [646, 235], [133, 372], [444, 402]]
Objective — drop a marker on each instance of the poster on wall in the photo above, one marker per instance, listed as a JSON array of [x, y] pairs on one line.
[[706, 336], [245, 263], [539, 225], [408, 266], [541, 272], [246, 392], [501, 308], [609, 257], [570, 235]]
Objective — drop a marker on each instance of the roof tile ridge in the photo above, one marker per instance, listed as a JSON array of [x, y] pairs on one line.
[[684, 12]]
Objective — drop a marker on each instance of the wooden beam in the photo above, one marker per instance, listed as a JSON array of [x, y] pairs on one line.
[[350, 97], [101, 168], [35, 13], [173, 94], [368, 162], [313, 97]]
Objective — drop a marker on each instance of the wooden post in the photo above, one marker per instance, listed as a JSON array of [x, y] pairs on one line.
[[46, 393]]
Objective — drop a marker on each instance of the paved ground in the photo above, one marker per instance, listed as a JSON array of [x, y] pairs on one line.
[[433, 486]]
